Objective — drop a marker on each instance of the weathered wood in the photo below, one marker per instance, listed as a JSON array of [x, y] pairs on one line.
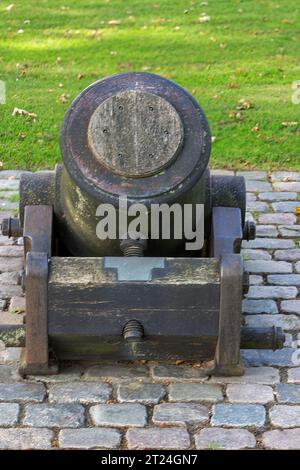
[[135, 133], [178, 309]]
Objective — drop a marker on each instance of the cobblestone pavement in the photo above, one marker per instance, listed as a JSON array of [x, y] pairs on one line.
[[155, 405]]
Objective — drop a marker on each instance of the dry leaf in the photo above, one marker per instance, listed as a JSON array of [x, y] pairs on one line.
[[80, 76], [286, 179], [297, 211], [114, 22], [233, 85], [179, 362], [58, 60], [245, 104], [255, 128], [10, 7], [223, 46], [23, 112], [64, 97]]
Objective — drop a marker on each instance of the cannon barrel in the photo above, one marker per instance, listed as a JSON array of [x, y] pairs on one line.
[[134, 135]]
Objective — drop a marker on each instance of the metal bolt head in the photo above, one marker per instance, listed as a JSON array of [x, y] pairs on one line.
[[249, 230], [5, 227]]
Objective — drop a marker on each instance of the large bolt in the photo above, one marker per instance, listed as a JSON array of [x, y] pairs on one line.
[[133, 330], [249, 230], [132, 247], [10, 227]]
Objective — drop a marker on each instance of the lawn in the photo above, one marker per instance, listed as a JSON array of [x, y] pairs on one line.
[[238, 58]]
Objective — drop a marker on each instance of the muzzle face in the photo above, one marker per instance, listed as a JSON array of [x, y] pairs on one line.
[[136, 135]]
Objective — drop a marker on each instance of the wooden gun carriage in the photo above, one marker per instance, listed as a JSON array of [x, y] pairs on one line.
[[143, 137]]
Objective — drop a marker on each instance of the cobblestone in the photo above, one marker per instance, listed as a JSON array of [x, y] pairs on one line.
[[289, 206], [288, 439], [21, 392], [224, 439], [253, 186], [139, 392], [249, 393], [276, 196], [158, 438], [272, 292], [288, 393], [289, 186], [119, 415], [278, 219], [264, 357], [54, 415], [260, 306], [9, 413], [266, 231], [284, 280], [79, 392], [253, 375], [256, 254], [269, 243], [89, 438], [294, 375], [285, 416], [261, 266], [195, 392], [238, 415], [291, 306], [180, 413], [25, 439]]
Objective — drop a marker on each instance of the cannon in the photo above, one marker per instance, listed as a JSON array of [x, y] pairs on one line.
[[143, 139]]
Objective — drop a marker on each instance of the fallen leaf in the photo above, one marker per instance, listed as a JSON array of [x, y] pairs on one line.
[[21, 135], [58, 60], [26, 21], [287, 21], [297, 211], [23, 112], [255, 128], [64, 97], [233, 85], [80, 76], [114, 22], [179, 362], [10, 7], [223, 46], [213, 138], [245, 104], [286, 179], [20, 31]]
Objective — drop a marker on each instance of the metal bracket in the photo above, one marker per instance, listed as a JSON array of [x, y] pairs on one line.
[[37, 249], [227, 236]]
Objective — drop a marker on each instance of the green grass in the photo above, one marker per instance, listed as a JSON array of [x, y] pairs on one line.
[[248, 50]]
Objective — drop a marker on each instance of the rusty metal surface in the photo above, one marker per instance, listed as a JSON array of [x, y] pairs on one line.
[[37, 247], [99, 181], [38, 229]]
